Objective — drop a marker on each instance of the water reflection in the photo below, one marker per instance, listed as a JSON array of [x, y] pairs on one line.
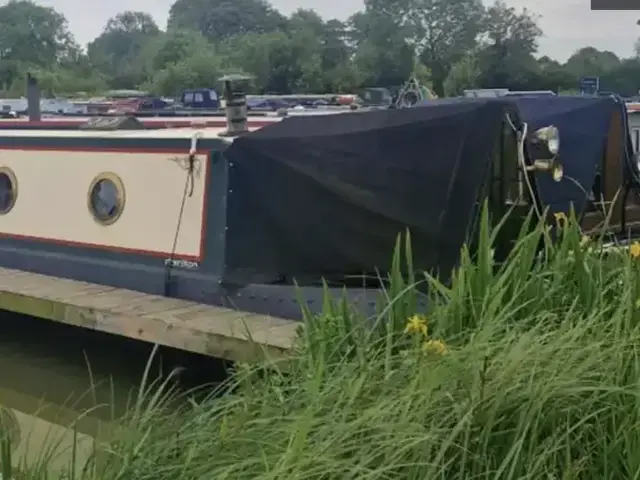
[[40, 437], [55, 377]]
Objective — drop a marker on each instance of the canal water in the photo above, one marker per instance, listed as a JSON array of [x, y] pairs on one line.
[[62, 386]]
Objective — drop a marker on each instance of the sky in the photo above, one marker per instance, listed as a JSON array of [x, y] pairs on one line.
[[567, 24]]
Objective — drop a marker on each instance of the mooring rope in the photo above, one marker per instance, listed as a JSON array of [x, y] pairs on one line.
[[189, 185]]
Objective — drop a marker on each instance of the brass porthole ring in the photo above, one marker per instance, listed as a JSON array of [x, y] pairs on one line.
[[8, 190], [106, 198]]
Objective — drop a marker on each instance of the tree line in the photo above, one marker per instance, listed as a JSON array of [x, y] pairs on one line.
[[450, 45]]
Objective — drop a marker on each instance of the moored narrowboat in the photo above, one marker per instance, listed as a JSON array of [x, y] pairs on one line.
[[258, 220], [143, 210]]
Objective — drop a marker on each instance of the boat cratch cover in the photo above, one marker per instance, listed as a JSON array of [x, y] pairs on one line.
[[326, 196]]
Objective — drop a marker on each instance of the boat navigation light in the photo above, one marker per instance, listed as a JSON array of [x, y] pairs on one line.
[[545, 147], [552, 166], [550, 136]]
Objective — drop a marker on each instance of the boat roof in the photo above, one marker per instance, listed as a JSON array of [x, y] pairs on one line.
[[633, 107], [164, 133]]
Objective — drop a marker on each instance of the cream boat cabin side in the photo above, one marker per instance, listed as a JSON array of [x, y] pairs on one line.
[[109, 191], [118, 208]]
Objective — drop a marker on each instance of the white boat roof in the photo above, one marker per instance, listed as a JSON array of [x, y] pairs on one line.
[[186, 133]]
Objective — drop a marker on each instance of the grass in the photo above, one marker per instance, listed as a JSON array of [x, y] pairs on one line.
[[525, 370]]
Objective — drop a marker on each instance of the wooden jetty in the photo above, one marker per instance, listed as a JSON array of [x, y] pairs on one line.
[[193, 327]]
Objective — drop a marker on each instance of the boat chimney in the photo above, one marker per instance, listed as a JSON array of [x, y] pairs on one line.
[[33, 99], [235, 104]]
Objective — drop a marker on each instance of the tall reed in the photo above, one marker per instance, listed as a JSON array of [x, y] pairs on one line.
[[528, 369]]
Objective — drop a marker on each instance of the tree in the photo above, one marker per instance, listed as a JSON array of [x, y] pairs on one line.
[[220, 20], [509, 43], [449, 45], [464, 74], [383, 57], [269, 57], [589, 61], [59, 81], [174, 47], [554, 76], [440, 32], [31, 36], [197, 71], [623, 79], [117, 51], [321, 50]]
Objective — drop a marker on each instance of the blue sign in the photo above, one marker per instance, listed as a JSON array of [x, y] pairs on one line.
[[590, 85]]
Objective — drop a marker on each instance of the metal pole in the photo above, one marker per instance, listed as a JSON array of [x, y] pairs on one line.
[[33, 99]]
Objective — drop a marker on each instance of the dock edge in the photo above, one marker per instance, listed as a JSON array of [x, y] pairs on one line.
[[189, 326]]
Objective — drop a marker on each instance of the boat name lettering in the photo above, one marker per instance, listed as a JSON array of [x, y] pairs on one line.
[[177, 263]]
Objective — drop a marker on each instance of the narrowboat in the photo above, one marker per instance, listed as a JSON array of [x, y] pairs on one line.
[[144, 210], [258, 220]]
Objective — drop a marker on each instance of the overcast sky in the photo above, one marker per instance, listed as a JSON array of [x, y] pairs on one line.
[[567, 24]]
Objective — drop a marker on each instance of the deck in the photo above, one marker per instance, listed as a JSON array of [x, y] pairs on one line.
[[193, 327]]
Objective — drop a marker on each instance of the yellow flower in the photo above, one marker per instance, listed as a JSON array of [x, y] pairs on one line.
[[584, 241], [561, 219], [634, 250], [416, 324], [434, 346]]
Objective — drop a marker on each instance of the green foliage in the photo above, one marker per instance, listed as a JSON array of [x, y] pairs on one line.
[[219, 20], [590, 61], [174, 47], [525, 369], [32, 33], [463, 74], [453, 44], [118, 50], [195, 71]]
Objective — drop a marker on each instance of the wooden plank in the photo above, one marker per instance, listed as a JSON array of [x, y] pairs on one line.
[[5, 280], [209, 330], [90, 290], [149, 306]]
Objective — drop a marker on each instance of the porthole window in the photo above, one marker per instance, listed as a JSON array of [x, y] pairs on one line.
[[8, 190], [106, 198]]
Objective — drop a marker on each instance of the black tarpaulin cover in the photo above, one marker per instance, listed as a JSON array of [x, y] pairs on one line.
[[328, 195]]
